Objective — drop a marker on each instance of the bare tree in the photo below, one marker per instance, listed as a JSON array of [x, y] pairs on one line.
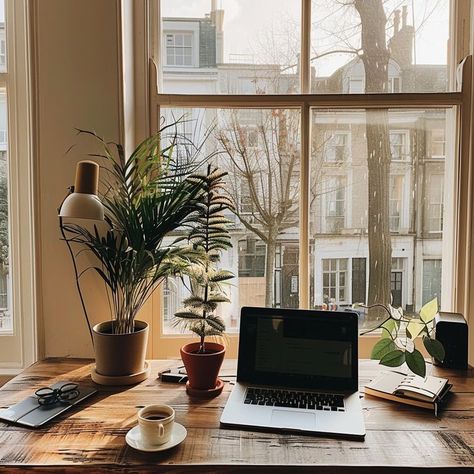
[[263, 161]]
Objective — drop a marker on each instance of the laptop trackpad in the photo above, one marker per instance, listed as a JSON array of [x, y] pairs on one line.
[[291, 419]]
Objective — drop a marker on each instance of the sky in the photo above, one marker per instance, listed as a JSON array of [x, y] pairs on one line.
[[268, 30]]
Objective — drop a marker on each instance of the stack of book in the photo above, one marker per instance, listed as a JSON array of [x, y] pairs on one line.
[[429, 392]]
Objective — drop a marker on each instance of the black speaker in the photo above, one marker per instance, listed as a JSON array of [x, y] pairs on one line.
[[451, 331]]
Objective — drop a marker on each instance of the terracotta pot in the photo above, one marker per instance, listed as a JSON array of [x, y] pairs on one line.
[[119, 354], [203, 369]]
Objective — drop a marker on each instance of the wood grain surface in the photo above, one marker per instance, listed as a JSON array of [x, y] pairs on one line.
[[400, 439]]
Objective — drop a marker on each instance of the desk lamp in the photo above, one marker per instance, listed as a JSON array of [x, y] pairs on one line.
[[82, 202]]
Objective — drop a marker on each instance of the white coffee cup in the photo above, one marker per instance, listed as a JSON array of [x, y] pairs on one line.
[[156, 424]]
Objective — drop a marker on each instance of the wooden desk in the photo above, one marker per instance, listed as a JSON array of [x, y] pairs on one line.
[[92, 436]]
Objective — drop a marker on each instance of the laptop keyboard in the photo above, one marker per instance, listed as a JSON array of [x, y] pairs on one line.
[[294, 399]]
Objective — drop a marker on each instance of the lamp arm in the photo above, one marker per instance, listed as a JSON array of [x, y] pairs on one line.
[[76, 273]]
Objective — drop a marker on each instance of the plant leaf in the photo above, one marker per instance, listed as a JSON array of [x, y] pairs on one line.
[[393, 359], [434, 348], [429, 310], [414, 328], [390, 329], [222, 275], [384, 346], [396, 313], [416, 362]]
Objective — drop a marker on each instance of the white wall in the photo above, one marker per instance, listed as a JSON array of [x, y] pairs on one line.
[[78, 85]]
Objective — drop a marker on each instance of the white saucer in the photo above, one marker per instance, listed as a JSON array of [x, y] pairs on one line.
[[133, 439]]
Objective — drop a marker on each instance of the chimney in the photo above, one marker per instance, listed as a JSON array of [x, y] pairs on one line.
[[396, 22], [401, 43], [217, 18], [404, 16]]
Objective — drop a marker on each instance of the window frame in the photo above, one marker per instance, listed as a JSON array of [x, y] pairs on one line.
[[335, 183], [20, 347], [459, 100], [329, 138], [436, 204], [406, 155]]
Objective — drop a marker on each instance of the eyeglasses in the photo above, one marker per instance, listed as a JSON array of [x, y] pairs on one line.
[[65, 393]]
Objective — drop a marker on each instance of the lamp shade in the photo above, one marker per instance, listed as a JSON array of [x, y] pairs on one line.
[[83, 202], [82, 206]]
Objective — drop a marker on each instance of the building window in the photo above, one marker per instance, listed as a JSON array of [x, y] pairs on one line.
[[251, 257], [438, 143], [179, 49], [394, 85], [396, 282], [356, 86], [359, 279], [434, 191], [396, 199], [337, 147], [3, 52], [399, 146], [335, 204], [431, 280], [335, 281], [245, 199], [250, 137]]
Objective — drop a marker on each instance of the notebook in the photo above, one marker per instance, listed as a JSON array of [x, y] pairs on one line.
[[410, 389]]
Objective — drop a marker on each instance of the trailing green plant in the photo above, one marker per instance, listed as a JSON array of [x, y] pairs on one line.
[[147, 198], [399, 332], [208, 237]]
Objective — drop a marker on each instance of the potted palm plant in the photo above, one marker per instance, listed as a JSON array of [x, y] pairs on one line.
[[145, 198], [209, 237]]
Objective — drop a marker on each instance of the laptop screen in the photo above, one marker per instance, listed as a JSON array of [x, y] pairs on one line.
[[299, 349]]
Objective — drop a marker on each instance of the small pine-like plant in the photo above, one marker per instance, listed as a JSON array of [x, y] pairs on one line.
[[209, 236]]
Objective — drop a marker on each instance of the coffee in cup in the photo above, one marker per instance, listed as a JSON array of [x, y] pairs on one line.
[[156, 424]]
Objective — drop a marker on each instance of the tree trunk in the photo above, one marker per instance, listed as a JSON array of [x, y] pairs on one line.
[[380, 246], [269, 273], [375, 58]]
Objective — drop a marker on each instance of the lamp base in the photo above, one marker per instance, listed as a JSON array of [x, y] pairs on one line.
[[121, 379]]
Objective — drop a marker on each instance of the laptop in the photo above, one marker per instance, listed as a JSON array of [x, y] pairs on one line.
[[297, 371]]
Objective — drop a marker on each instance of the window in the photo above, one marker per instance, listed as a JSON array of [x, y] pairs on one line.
[[396, 282], [250, 137], [431, 280], [183, 133], [3, 49], [396, 199], [179, 51], [394, 84], [251, 257], [399, 146], [438, 143], [356, 86], [335, 203], [335, 281], [359, 283], [434, 203], [244, 198], [337, 147], [363, 156]]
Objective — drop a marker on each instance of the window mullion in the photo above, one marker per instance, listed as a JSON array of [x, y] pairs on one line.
[[304, 261], [305, 54]]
